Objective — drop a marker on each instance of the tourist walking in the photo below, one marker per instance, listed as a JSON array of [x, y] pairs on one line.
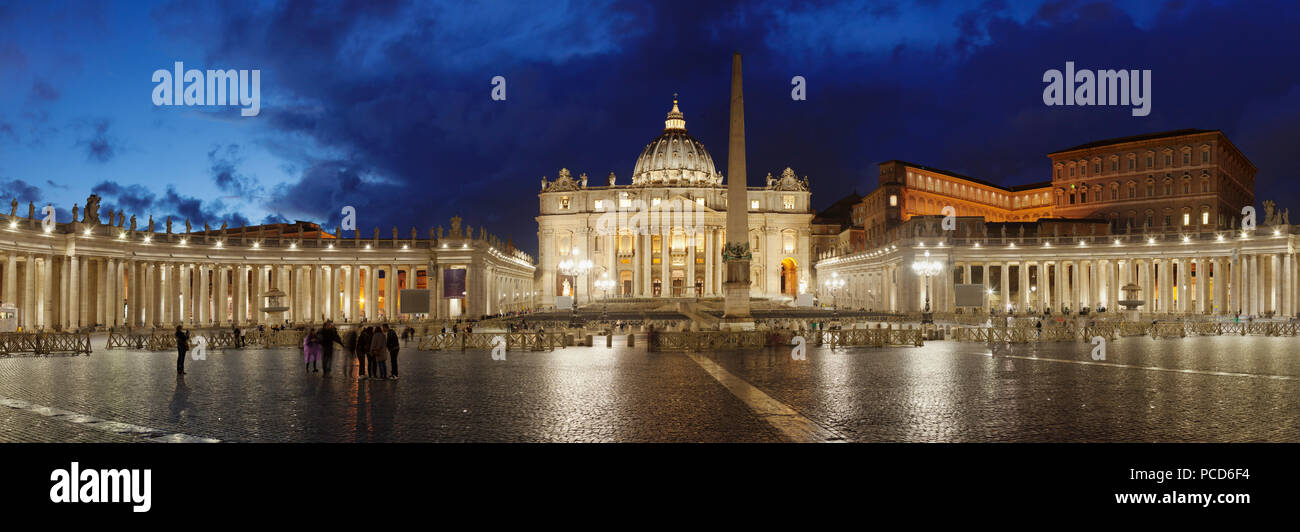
[[311, 351], [328, 336], [350, 343], [182, 346], [379, 354], [393, 347]]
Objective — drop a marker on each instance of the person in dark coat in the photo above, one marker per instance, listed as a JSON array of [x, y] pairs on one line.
[[393, 347], [350, 343], [328, 336], [182, 346], [363, 351]]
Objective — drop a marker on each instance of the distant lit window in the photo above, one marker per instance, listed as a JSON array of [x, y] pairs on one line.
[[654, 202], [699, 201], [1187, 218], [893, 200], [623, 201], [787, 202], [564, 203], [600, 205], [753, 204], [1205, 217]]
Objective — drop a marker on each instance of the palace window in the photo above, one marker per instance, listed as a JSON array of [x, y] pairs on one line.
[[1114, 165], [787, 202], [654, 202], [1169, 189], [1083, 196], [893, 200], [1096, 168], [753, 204], [699, 201], [623, 201], [1114, 193], [600, 205], [1168, 220], [1205, 156], [1169, 160], [1187, 218], [1187, 158], [1205, 217], [564, 203]]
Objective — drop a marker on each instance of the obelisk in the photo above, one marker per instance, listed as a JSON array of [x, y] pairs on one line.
[[736, 252]]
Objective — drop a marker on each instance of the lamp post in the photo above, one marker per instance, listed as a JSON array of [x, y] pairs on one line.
[[833, 285], [606, 284], [927, 268], [575, 267]]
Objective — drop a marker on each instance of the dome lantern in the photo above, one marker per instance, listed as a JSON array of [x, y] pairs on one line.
[[675, 158]]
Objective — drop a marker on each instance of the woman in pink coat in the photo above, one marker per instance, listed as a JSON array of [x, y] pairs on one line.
[[311, 350]]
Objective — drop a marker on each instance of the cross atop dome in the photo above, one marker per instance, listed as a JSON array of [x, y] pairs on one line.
[[676, 120]]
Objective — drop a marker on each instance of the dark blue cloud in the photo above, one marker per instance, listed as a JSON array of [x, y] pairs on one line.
[[100, 147], [21, 190], [139, 201]]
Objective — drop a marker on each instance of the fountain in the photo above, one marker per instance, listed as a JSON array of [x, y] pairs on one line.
[[1131, 301], [274, 307]]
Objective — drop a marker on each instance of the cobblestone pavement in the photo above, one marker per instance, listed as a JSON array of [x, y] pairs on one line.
[[1193, 389], [1209, 389]]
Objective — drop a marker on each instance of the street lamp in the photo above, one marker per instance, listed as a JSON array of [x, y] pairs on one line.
[[575, 267], [927, 268], [606, 284], [833, 285]]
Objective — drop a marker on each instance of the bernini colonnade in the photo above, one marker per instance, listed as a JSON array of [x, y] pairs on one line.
[[85, 274]]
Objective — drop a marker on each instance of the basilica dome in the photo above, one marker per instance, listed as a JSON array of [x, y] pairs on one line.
[[675, 158]]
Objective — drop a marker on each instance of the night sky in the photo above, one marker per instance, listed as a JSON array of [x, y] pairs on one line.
[[386, 106]]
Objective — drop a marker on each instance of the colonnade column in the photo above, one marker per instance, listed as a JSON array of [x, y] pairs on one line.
[[709, 262], [1006, 285], [1023, 293]]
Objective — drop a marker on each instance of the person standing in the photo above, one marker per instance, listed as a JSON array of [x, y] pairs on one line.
[[328, 336], [350, 343], [311, 350], [379, 354], [393, 347], [363, 351], [182, 346]]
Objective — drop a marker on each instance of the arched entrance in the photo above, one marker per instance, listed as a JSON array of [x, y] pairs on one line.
[[789, 277]]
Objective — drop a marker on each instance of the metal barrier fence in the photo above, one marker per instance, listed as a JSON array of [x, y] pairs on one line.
[[730, 340], [520, 341], [44, 343], [1159, 329]]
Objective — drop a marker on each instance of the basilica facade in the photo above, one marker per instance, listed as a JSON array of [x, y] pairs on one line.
[[662, 234]]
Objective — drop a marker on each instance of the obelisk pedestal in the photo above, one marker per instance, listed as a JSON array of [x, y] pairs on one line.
[[736, 253]]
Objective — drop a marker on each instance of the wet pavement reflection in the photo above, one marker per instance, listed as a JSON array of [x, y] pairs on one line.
[[1192, 389]]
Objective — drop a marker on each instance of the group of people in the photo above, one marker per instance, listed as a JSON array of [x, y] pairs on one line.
[[374, 346]]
